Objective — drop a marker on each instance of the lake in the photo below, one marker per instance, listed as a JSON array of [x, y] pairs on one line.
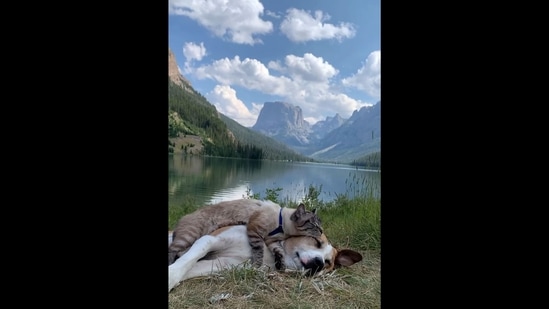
[[209, 180]]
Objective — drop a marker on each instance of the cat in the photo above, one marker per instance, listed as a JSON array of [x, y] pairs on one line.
[[266, 223]]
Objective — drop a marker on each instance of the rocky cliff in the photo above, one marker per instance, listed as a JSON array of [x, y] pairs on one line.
[[174, 74], [323, 127], [284, 122]]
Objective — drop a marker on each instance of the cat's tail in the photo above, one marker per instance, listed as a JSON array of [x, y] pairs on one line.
[[184, 235]]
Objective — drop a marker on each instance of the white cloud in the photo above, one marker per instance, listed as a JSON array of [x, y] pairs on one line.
[[300, 26], [272, 14], [309, 68], [248, 73], [238, 21], [193, 51], [368, 77], [275, 65], [225, 100], [306, 82]]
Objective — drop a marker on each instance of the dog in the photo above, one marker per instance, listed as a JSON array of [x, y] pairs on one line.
[[228, 247], [267, 222]]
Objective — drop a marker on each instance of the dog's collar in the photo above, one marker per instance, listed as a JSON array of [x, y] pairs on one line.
[[279, 228]]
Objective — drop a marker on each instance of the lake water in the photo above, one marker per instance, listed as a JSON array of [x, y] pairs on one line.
[[210, 179]]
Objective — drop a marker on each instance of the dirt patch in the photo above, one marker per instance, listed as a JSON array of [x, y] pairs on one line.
[[192, 144]]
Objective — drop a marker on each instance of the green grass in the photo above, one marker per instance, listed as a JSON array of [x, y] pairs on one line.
[[175, 212], [353, 223]]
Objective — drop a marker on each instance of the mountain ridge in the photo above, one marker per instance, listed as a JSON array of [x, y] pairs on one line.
[[333, 139]]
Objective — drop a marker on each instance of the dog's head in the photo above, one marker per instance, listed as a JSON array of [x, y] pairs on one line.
[[317, 254]]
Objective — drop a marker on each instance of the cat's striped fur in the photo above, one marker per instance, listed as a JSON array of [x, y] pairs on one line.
[[261, 218]]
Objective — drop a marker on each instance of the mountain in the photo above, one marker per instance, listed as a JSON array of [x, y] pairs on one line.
[[274, 148], [174, 75], [196, 127], [323, 127], [283, 122], [334, 139], [360, 135]]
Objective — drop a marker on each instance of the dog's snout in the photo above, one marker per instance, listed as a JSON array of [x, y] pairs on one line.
[[315, 265]]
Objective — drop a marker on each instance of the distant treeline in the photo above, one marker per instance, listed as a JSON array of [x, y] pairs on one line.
[[372, 160]]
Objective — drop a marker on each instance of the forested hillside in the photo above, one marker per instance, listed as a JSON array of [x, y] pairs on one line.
[[190, 113], [196, 116]]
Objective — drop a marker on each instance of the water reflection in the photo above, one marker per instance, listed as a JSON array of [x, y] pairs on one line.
[[210, 179]]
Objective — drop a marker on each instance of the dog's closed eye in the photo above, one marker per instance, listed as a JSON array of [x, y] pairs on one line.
[[318, 242]]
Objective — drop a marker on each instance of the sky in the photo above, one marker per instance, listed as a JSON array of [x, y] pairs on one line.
[[321, 55]]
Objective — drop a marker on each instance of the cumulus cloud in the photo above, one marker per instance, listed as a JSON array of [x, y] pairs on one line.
[[248, 73], [368, 77], [300, 26], [238, 21], [193, 52], [305, 82], [309, 68], [225, 100]]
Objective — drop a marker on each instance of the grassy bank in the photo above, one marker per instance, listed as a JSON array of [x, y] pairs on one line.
[[348, 223]]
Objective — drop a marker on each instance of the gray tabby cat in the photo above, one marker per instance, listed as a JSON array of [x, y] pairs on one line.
[[266, 222]]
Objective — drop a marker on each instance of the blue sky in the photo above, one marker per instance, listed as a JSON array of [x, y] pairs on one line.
[[323, 56]]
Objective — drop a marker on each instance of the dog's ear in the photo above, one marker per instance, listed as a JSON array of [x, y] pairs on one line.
[[347, 257], [314, 210]]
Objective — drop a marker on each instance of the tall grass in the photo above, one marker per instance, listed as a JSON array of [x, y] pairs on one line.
[[175, 212], [354, 223]]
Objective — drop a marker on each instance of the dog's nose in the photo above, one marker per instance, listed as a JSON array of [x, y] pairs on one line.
[[314, 265]]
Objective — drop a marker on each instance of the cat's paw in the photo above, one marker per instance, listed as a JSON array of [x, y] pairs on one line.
[[256, 261], [279, 262]]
